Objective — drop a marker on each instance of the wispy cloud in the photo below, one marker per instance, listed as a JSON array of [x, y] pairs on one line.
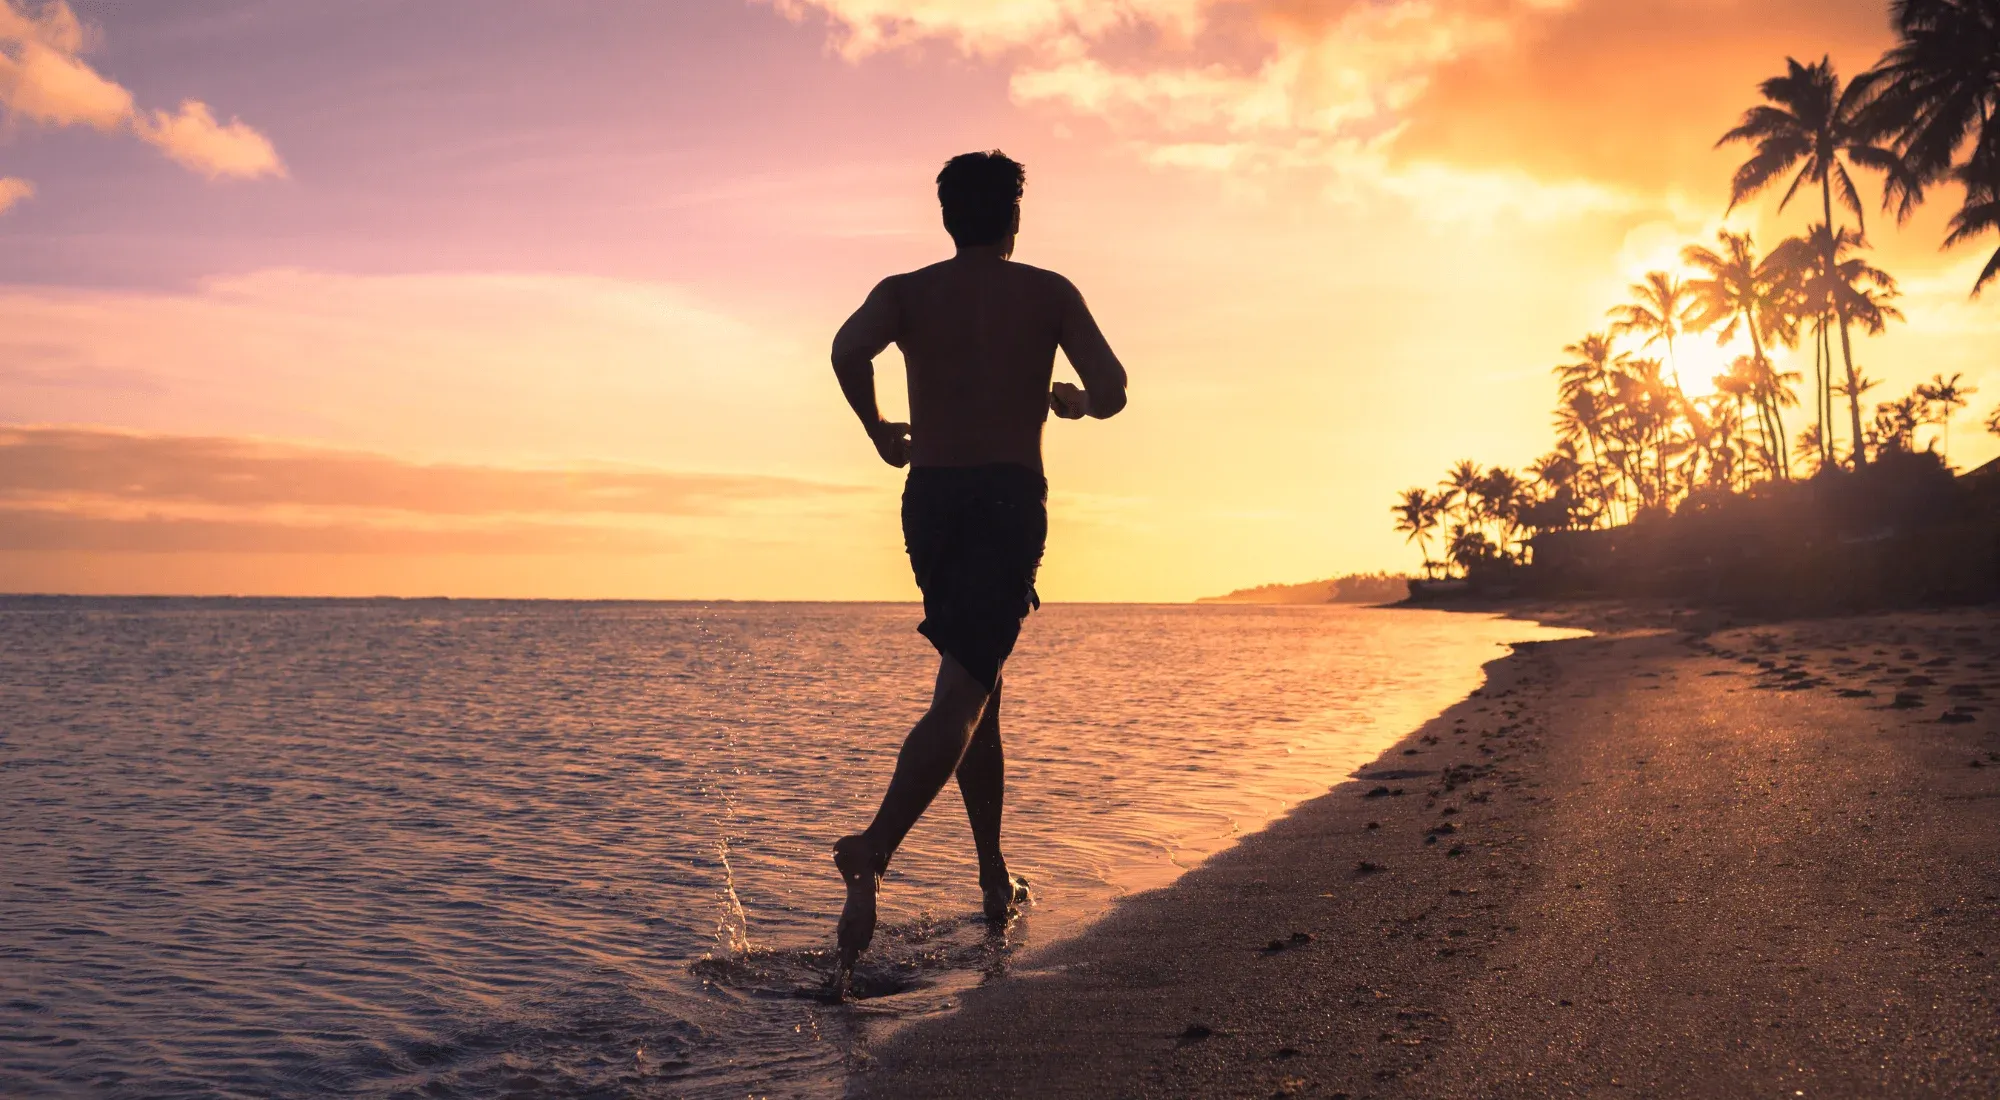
[[503, 369], [55, 531], [45, 81], [93, 489]]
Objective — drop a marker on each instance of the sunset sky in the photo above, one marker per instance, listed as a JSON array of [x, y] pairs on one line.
[[461, 297]]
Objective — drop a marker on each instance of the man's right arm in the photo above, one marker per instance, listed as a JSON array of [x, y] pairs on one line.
[[1084, 344], [855, 347]]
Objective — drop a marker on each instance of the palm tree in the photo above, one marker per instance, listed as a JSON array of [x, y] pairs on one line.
[[1810, 121], [1584, 388], [1660, 309], [1801, 264], [1557, 506], [1848, 288], [1646, 411], [1896, 424], [1980, 213], [1774, 388], [1939, 85], [1717, 425], [1741, 293], [1461, 485], [1853, 390], [1468, 546], [1942, 398], [1418, 515], [1753, 380], [1581, 417], [1592, 361], [1808, 450], [1502, 497]]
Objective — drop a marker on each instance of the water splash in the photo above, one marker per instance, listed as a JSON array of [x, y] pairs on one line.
[[732, 930]]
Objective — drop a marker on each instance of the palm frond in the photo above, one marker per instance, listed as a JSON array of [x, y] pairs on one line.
[[1772, 160], [1850, 196]]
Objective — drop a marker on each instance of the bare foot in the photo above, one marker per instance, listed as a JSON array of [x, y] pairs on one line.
[[1004, 897], [862, 872]]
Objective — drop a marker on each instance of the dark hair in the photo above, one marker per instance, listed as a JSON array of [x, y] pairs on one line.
[[981, 195]]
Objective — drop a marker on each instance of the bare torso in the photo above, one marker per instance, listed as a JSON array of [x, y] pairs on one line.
[[979, 336]]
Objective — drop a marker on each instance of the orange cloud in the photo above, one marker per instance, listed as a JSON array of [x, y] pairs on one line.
[[1246, 86], [14, 189], [193, 138], [1633, 95], [1516, 106], [44, 80], [97, 490], [44, 85]]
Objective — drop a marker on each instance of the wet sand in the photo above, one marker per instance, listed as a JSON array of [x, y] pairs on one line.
[[1681, 858]]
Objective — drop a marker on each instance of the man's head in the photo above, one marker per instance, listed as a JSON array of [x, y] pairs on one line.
[[981, 196]]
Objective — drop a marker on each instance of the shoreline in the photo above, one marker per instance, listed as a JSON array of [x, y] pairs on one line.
[[1790, 880]]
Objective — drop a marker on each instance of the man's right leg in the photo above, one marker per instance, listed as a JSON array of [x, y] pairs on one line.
[[931, 753]]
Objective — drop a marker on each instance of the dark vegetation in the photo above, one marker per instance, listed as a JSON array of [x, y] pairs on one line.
[[1651, 491]]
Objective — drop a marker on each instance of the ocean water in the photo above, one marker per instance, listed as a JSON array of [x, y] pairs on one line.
[[271, 848]]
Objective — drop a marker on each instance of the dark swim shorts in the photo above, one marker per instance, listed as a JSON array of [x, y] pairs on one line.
[[975, 537]]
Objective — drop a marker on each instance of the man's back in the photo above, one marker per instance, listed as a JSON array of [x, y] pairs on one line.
[[979, 335]]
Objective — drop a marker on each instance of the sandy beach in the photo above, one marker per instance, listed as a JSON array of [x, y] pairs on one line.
[[1683, 857]]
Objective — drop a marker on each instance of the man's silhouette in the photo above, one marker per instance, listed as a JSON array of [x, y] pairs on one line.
[[979, 335]]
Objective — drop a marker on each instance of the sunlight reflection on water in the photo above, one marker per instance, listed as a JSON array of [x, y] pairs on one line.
[[290, 848]]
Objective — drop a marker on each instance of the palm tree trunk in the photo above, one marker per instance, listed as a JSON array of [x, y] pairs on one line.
[[1674, 364], [1597, 464], [1767, 406], [1846, 347], [1853, 394], [1765, 429], [1826, 349], [1742, 460], [1784, 452], [1822, 403]]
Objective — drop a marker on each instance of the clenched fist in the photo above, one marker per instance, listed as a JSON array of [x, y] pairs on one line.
[[1068, 401], [892, 442]]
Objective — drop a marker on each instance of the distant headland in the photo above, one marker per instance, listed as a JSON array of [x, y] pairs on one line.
[[1352, 588]]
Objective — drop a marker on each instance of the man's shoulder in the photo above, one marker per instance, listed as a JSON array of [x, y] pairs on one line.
[[1042, 275], [908, 279], [1054, 291], [940, 275]]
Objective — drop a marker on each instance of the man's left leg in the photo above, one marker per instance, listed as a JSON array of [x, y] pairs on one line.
[[982, 781]]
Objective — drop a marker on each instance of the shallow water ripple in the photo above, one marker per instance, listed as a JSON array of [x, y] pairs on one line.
[[384, 848]]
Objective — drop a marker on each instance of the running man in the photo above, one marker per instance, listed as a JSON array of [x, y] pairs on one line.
[[979, 335]]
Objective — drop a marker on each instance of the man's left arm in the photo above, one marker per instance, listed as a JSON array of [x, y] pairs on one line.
[[1103, 393], [855, 346]]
